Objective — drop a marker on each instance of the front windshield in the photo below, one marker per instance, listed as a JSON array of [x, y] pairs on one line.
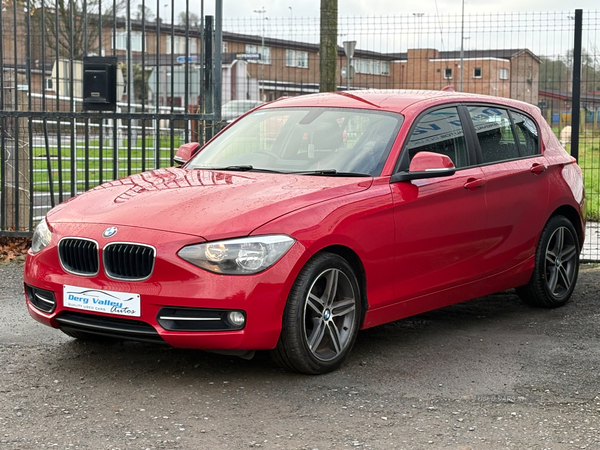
[[304, 140]]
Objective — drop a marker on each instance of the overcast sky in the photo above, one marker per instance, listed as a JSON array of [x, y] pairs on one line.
[[311, 8]]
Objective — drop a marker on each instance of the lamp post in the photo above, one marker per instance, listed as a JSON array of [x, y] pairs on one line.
[[291, 19], [261, 87], [462, 47], [419, 29]]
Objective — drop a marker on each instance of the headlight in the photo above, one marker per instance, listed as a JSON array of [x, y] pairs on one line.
[[238, 256], [41, 237]]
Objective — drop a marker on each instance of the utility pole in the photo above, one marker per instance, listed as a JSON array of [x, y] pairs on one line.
[[328, 46]]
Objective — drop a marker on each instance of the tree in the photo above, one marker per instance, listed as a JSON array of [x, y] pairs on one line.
[[191, 19], [557, 74], [328, 46], [77, 27], [143, 12]]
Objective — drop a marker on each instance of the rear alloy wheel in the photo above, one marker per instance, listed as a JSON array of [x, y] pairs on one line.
[[556, 266], [321, 318]]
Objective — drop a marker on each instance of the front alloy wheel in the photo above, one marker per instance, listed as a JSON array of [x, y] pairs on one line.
[[321, 318]]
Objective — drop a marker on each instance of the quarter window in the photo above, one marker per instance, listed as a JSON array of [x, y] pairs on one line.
[[440, 131], [494, 133], [527, 133]]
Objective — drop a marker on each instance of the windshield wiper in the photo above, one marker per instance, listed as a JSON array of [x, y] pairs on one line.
[[332, 172], [242, 168]]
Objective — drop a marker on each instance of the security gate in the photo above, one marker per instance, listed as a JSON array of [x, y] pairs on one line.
[[167, 93]]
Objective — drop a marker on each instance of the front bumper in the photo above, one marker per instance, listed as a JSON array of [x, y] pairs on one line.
[[175, 286]]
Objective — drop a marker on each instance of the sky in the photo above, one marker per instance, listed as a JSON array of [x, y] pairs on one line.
[[389, 26], [311, 8]]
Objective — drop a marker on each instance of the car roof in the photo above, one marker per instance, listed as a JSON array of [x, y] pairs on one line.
[[391, 100]]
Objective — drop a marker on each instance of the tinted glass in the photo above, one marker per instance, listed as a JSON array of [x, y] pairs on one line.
[[527, 133], [303, 140], [494, 132], [440, 131]]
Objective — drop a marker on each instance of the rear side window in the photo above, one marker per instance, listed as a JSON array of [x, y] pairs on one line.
[[494, 133], [440, 131], [527, 134]]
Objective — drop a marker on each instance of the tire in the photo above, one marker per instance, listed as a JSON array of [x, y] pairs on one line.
[[556, 266], [319, 329], [88, 337]]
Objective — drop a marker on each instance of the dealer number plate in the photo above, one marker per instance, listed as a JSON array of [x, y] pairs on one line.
[[95, 300]]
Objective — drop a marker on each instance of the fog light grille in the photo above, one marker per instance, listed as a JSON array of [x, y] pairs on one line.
[[196, 319], [40, 298]]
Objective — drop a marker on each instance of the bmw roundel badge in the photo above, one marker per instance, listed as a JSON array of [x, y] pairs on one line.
[[109, 232]]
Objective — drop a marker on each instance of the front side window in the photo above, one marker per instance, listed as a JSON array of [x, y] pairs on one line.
[[440, 131], [304, 140], [494, 133], [527, 133]]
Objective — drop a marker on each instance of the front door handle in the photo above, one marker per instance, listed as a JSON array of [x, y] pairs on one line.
[[538, 168], [474, 183]]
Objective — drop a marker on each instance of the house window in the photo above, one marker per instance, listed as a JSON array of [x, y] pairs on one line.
[[447, 73], [504, 74], [120, 42], [295, 58], [225, 47], [179, 45], [265, 57], [385, 68], [477, 72], [365, 66], [376, 68]]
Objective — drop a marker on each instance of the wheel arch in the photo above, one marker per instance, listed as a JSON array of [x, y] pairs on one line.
[[355, 262], [573, 216]]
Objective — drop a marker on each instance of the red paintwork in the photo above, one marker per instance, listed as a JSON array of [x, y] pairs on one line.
[[186, 151], [419, 244], [428, 160]]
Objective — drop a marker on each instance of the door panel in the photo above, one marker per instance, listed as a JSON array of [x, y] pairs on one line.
[[516, 185], [515, 221], [440, 222], [440, 232]]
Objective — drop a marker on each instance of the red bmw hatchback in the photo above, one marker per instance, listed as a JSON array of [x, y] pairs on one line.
[[312, 218]]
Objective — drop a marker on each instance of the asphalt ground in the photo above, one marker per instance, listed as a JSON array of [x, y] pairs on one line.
[[491, 373]]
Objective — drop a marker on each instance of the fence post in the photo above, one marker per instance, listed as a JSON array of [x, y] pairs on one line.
[[16, 160], [576, 107]]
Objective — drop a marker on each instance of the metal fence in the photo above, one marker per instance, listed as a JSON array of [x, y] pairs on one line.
[[535, 57], [168, 93]]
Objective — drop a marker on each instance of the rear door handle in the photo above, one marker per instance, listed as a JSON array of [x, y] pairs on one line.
[[538, 168], [474, 183]]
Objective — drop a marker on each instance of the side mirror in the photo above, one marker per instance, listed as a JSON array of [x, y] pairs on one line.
[[186, 152], [427, 165]]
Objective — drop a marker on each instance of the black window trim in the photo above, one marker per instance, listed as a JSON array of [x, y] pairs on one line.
[[475, 140], [403, 163], [537, 127]]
